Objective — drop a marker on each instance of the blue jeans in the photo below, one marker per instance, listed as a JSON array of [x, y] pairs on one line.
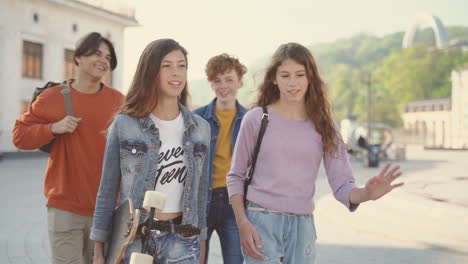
[[167, 247], [286, 238], [222, 220]]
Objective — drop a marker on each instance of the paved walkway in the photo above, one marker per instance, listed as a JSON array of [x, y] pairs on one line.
[[23, 225], [426, 221]]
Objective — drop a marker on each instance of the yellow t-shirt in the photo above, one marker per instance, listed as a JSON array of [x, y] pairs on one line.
[[223, 149]]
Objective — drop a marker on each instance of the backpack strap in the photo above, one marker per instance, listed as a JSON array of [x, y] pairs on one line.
[[67, 98]]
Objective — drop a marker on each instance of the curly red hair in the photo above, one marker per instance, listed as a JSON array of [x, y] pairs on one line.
[[223, 63]]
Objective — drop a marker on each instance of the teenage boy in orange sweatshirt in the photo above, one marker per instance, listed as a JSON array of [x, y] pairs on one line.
[[75, 162]]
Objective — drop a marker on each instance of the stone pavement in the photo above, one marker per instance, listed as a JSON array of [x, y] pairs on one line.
[[425, 221], [23, 221], [23, 228]]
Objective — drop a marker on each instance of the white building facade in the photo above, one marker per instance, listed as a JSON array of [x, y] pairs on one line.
[[441, 123], [37, 39]]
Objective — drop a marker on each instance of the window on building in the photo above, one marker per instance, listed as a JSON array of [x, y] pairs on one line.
[[69, 65], [32, 60]]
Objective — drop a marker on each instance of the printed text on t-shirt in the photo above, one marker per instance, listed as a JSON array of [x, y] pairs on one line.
[[166, 173]]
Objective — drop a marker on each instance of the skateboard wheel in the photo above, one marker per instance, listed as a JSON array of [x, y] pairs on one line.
[[155, 200], [139, 258]]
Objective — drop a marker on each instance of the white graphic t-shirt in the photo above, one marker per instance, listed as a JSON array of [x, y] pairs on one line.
[[172, 169]]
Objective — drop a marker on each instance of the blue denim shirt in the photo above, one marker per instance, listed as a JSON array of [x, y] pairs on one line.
[[133, 173], [208, 113]]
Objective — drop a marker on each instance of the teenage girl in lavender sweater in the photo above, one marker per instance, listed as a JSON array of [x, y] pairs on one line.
[[278, 225]]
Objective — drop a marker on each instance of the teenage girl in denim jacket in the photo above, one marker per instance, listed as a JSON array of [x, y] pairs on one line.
[[156, 143]]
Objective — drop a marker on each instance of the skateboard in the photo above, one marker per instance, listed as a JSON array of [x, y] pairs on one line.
[[126, 225]]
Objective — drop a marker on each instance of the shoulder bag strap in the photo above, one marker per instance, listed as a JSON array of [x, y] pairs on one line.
[[67, 98], [250, 172]]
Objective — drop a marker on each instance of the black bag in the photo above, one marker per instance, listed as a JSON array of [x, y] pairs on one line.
[[251, 169], [66, 99]]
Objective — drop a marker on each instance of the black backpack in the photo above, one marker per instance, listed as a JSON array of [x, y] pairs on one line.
[[67, 102]]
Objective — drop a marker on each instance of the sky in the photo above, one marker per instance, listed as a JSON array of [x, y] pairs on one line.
[[251, 29]]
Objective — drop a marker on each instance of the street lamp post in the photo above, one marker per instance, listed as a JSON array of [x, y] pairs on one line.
[[369, 106], [368, 82]]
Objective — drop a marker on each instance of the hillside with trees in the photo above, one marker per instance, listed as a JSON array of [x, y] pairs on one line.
[[397, 75]]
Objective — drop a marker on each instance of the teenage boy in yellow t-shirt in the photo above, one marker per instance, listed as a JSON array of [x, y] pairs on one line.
[[224, 114]]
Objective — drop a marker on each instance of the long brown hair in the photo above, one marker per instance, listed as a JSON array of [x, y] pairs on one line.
[[316, 102], [142, 96]]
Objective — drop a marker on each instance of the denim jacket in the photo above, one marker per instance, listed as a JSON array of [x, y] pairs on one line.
[[208, 113], [128, 174]]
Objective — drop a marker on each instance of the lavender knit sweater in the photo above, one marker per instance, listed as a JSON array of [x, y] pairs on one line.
[[287, 165]]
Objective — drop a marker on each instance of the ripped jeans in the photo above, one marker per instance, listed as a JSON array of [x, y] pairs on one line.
[[286, 238], [167, 247]]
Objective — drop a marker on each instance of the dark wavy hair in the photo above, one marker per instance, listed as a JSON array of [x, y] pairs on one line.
[[142, 96], [90, 44], [316, 102]]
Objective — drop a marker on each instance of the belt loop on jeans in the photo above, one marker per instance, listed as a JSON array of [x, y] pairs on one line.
[[172, 226]]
